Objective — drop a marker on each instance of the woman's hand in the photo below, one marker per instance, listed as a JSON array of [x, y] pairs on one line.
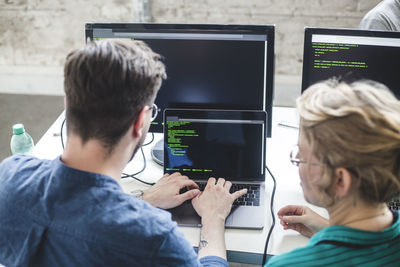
[[301, 219]]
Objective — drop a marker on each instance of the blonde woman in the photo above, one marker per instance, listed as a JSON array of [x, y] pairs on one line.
[[348, 155]]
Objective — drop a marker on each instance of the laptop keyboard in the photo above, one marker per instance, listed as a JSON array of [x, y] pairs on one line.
[[394, 203], [252, 198]]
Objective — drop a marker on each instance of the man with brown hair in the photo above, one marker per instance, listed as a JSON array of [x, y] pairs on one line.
[[72, 211]]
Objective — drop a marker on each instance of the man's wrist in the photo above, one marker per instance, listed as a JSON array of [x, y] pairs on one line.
[[214, 220], [137, 193], [145, 197], [212, 240]]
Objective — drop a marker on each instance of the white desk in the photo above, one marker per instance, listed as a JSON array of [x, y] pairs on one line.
[[242, 245]]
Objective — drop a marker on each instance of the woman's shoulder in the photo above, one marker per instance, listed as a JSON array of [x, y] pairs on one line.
[[335, 245]]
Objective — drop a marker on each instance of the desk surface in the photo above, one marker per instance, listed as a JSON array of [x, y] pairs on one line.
[[242, 245]]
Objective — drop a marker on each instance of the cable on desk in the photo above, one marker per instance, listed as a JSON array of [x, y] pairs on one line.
[[125, 175], [61, 133], [273, 218], [151, 141]]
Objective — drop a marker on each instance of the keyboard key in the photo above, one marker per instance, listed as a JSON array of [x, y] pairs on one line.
[[252, 198]]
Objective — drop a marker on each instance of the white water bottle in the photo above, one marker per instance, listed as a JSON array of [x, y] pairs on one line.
[[21, 141]]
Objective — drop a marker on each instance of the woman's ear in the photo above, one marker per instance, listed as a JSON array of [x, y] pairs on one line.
[[343, 182], [138, 126]]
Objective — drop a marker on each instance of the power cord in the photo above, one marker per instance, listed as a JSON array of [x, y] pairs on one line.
[[125, 175], [273, 218], [151, 141], [61, 133]]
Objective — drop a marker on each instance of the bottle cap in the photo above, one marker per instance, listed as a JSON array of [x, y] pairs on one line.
[[18, 128]]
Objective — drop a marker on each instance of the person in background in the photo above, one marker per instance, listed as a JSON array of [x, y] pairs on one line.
[[385, 16], [72, 211], [348, 155]]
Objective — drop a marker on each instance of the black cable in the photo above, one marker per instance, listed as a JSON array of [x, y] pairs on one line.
[[61, 133], [125, 175], [273, 218], [151, 141]]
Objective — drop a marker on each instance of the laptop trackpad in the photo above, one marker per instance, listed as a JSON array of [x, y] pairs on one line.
[[185, 215], [190, 216]]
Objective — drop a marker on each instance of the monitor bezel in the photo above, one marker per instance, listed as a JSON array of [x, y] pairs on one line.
[[268, 30], [309, 31]]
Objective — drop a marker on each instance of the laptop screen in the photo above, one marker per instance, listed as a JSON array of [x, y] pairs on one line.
[[211, 143], [359, 54]]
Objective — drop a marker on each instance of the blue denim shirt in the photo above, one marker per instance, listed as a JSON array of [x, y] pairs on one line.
[[53, 215]]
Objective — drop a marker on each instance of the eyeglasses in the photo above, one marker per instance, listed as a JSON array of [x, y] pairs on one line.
[[154, 111], [294, 158]]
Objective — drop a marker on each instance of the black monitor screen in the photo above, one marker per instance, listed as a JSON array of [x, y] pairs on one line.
[[358, 54], [208, 66]]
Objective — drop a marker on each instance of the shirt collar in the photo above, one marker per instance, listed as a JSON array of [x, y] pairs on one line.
[[72, 175]]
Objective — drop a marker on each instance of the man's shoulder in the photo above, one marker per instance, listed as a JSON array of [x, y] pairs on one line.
[[128, 226], [18, 158], [141, 214], [121, 216], [384, 16], [19, 166]]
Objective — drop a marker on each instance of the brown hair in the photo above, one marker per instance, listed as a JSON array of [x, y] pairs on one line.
[[355, 126], [107, 83]]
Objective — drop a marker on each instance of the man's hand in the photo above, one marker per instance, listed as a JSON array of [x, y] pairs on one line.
[[301, 219], [213, 206], [165, 193], [216, 201]]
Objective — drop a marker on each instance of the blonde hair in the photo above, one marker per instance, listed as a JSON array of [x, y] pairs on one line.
[[355, 126]]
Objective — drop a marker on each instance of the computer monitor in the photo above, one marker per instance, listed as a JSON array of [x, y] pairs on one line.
[[359, 54], [208, 66]]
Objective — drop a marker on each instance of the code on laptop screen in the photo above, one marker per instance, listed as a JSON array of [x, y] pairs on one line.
[[202, 148]]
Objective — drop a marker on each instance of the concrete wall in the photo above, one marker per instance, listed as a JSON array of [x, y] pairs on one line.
[[35, 35], [289, 16]]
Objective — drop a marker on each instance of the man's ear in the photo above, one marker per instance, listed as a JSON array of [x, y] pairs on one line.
[[138, 126], [343, 182]]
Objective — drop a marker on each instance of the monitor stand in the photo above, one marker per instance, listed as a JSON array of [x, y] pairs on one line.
[[157, 152]]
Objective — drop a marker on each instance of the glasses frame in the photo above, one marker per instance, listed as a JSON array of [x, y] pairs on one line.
[[296, 161], [154, 112]]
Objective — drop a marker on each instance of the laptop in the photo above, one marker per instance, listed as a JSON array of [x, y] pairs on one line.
[[219, 143]]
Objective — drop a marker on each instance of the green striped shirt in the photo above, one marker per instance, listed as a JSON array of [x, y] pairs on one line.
[[344, 246]]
